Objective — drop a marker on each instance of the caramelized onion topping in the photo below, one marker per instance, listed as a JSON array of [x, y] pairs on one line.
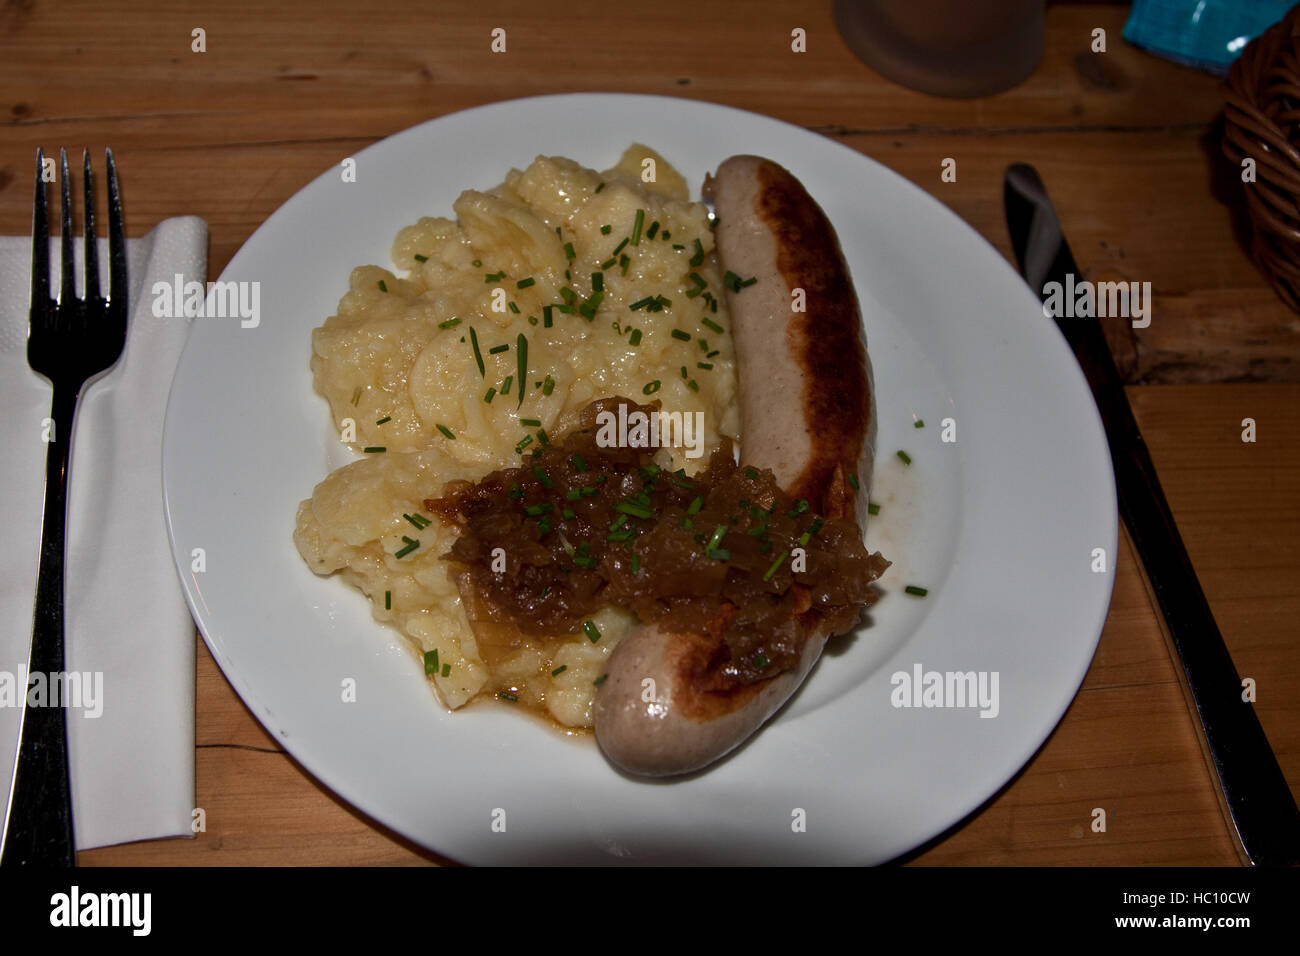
[[724, 552]]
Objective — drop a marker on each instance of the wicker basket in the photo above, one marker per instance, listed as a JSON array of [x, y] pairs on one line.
[[1262, 122]]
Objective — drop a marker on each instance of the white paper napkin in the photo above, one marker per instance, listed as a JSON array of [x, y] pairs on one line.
[[125, 619]]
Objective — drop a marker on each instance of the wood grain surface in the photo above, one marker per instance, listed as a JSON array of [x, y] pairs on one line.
[[1126, 144]]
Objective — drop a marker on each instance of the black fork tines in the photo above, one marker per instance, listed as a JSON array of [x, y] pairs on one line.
[[41, 236]]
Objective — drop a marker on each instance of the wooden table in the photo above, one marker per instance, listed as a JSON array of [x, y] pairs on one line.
[[1124, 141]]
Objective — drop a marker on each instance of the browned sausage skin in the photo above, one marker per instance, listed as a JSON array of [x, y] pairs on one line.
[[807, 413]]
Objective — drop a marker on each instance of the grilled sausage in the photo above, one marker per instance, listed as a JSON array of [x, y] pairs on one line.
[[807, 413]]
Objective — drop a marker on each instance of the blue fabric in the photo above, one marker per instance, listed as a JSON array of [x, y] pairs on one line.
[[1206, 34]]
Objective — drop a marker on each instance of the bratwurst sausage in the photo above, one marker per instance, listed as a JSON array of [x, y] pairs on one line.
[[807, 413]]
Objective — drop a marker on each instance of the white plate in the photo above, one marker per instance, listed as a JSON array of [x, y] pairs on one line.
[[1000, 525]]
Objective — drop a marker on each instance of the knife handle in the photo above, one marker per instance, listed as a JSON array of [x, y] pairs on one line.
[[1253, 793]]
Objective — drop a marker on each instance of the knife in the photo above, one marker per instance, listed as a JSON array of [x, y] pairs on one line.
[[1253, 793]]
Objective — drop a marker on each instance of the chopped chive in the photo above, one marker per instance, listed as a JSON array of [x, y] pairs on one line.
[[588, 308], [641, 303], [719, 554], [704, 345], [693, 385], [419, 520], [707, 366], [775, 564], [599, 187], [698, 258], [919, 423], [716, 538], [597, 281], [568, 295], [446, 670], [853, 480], [505, 386], [568, 251], [420, 258], [635, 339], [592, 631], [450, 323], [531, 422], [682, 336], [410, 546], [636, 227], [515, 491], [548, 386], [760, 660], [388, 600], [634, 509], [542, 509], [515, 309], [620, 246], [540, 474], [618, 522], [544, 438], [873, 509], [523, 443], [609, 263], [498, 349], [525, 283], [694, 507], [712, 354], [578, 463], [606, 230], [601, 679], [757, 531], [918, 591], [650, 387], [491, 394], [491, 277], [446, 431], [559, 670], [636, 564], [386, 418], [709, 323], [431, 665], [751, 474], [478, 356], [506, 695], [569, 514], [372, 449], [382, 286], [684, 372], [905, 457], [521, 353], [623, 262], [666, 235], [650, 232]]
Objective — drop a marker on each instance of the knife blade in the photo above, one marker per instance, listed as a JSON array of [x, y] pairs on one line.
[[1253, 793]]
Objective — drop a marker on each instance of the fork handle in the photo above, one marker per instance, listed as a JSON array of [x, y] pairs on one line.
[[39, 830]]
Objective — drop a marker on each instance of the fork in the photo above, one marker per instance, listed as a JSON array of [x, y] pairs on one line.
[[71, 342]]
